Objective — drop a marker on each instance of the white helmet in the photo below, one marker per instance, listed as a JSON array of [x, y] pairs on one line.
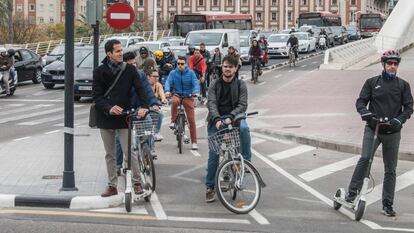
[[3, 50]]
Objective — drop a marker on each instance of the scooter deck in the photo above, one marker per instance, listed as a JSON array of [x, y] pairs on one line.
[[345, 203]]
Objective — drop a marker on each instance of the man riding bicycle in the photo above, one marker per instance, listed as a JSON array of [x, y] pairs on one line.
[[255, 54], [185, 84], [227, 97], [294, 44]]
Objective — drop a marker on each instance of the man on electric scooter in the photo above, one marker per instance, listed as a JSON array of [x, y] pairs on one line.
[[6, 62], [388, 96], [227, 97]]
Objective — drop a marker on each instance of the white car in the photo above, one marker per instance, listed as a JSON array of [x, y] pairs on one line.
[[307, 43], [153, 45], [126, 41], [277, 45]]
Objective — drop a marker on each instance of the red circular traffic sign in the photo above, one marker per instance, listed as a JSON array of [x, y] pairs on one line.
[[120, 16]]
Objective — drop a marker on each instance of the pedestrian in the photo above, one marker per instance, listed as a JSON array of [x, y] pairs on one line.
[[112, 83], [383, 96], [158, 90], [227, 97]]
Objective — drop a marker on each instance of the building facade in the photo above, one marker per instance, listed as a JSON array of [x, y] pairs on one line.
[[45, 11]]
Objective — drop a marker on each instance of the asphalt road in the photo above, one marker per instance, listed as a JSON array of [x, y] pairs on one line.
[[300, 179]]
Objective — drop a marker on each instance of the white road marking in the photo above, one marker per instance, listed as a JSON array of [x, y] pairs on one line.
[[134, 210], [24, 109], [278, 76], [304, 66], [308, 115], [314, 62], [20, 139], [54, 131], [402, 182], [329, 169], [313, 70], [15, 105], [272, 139], [200, 123], [291, 71], [188, 171], [262, 83], [25, 116], [157, 207], [258, 217], [195, 153], [256, 140], [40, 93], [305, 200], [52, 118], [210, 220], [291, 152]]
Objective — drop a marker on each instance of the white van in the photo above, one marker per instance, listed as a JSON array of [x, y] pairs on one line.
[[213, 38]]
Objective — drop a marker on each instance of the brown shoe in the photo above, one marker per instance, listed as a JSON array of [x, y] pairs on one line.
[[138, 188], [109, 191]]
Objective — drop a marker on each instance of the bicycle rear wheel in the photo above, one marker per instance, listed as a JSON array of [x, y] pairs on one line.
[[149, 168], [239, 199]]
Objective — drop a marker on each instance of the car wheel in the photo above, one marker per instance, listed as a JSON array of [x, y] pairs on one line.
[[76, 98], [308, 50], [48, 85], [37, 78]]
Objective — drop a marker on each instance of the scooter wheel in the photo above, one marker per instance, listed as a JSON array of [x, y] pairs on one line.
[[337, 205], [360, 210], [147, 198], [128, 202]]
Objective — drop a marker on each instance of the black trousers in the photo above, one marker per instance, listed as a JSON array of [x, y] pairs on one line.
[[390, 146]]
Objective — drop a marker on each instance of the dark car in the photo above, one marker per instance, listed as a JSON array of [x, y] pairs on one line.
[[341, 35], [330, 36], [54, 73], [55, 54], [28, 65], [353, 32]]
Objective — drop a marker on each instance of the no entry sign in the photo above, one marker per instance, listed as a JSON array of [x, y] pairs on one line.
[[120, 16]]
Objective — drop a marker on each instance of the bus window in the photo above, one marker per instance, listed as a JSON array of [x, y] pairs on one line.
[[219, 24], [229, 24], [210, 25]]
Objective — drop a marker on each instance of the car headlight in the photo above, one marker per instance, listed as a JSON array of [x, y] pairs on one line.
[[44, 70]]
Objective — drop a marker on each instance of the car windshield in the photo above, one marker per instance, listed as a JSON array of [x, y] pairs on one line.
[[79, 55], [278, 38], [88, 60], [151, 46], [244, 32], [59, 50], [208, 38], [244, 41], [176, 42], [301, 36]]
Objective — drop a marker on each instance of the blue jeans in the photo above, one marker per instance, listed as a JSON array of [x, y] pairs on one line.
[[203, 85], [119, 154], [213, 158], [160, 118]]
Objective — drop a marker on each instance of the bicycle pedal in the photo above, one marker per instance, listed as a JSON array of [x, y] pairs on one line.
[[187, 141]]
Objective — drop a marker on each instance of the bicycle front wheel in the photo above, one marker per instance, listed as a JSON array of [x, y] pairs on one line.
[[180, 133], [148, 168], [237, 194]]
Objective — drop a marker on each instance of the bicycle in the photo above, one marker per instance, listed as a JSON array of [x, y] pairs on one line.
[[181, 122], [255, 69], [292, 56], [140, 139], [238, 183]]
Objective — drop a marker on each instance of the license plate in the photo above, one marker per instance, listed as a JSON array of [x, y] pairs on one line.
[[58, 77], [85, 88]]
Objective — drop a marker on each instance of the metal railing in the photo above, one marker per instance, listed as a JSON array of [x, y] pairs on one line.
[[45, 47]]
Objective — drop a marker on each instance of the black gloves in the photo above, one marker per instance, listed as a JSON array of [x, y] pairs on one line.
[[395, 124], [368, 116]]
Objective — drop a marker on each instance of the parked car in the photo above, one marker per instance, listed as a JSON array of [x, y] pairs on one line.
[[277, 45], [55, 54], [153, 45], [330, 36], [126, 41], [28, 65], [179, 51], [54, 73], [353, 32], [341, 35], [307, 43], [173, 40]]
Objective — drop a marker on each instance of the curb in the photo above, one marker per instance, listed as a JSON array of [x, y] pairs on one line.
[[56, 201], [272, 67], [327, 144]]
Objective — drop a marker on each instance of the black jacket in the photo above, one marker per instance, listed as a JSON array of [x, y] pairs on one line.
[[386, 98], [293, 41], [120, 95], [238, 99]]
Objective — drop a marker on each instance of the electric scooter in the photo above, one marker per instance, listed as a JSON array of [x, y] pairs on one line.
[[322, 42], [358, 206], [12, 82]]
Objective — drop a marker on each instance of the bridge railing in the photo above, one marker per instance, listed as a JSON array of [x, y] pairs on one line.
[[45, 47]]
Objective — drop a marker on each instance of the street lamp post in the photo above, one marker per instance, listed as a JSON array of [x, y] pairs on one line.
[[287, 14], [154, 28]]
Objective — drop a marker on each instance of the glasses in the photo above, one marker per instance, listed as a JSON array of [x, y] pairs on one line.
[[392, 63], [155, 76], [180, 63]]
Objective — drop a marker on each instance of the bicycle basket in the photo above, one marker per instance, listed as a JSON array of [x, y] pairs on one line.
[[155, 117], [225, 139], [143, 127]]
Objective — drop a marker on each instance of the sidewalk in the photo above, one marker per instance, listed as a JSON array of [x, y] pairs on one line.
[[319, 109]]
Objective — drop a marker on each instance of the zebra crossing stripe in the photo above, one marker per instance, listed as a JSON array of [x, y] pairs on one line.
[[328, 169], [10, 112], [25, 116], [53, 118], [291, 152]]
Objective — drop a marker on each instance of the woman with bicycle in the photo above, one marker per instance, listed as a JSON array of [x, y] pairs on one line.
[[183, 83], [227, 97], [255, 54]]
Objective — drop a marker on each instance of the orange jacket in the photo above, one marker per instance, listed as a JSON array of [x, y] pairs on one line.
[[197, 64]]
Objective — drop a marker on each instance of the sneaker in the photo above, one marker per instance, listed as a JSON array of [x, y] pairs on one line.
[[210, 195], [158, 137], [172, 125], [350, 197], [388, 211], [186, 139], [194, 146]]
